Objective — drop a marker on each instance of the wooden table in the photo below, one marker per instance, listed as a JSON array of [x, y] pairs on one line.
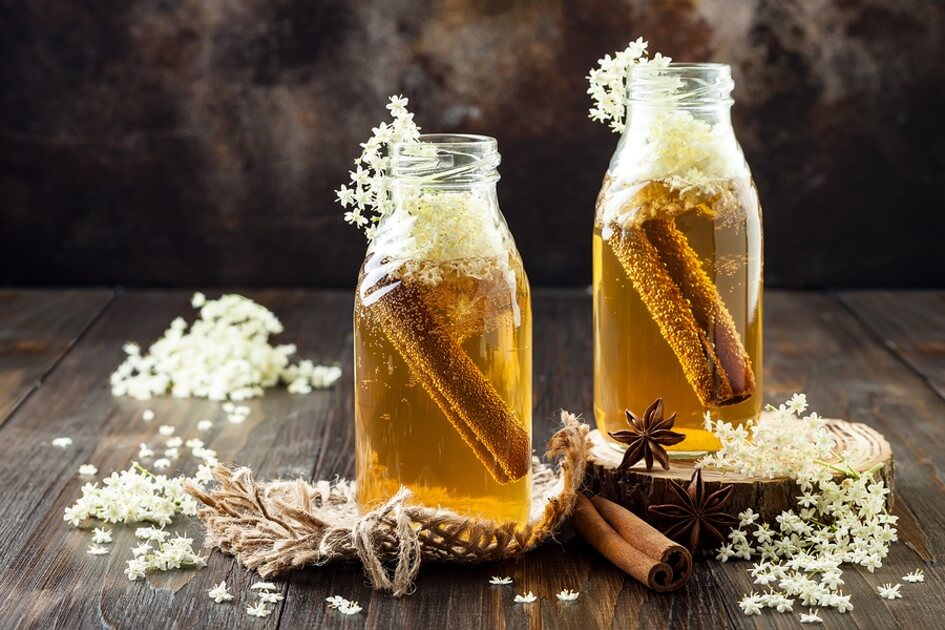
[[877, 357]]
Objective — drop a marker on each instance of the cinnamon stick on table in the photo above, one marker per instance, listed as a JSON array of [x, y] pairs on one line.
[[449, 376], [632, 544]]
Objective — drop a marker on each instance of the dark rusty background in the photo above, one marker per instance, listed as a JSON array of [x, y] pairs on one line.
[[198, 141]]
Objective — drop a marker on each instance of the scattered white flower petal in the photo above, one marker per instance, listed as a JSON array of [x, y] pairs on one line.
[[162, 463], [220, 593], [270, 597], [174, 442], [148, 415], [527, 598], [343, 605], [144, 451], [811, 617], [193, 443], [500, 580], [97, 550], [888, 591], [88, 470], [263, 586], [62, 442], [258, 609], [567, 595], [205, 425], [166, 429], [101, 535], [914, 577]]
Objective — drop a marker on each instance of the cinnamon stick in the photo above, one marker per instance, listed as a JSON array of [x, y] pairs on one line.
[[709, 310], [672, 313], [632, 544], [454, 383]]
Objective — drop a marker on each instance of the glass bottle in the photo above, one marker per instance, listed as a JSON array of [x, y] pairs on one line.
[[678, 259], [443, 339]]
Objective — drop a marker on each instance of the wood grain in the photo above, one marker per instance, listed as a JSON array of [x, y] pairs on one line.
[[36, 328], [46, 580]]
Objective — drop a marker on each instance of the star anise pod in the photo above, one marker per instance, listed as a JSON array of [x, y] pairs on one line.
[[696, 516], [646, 437]]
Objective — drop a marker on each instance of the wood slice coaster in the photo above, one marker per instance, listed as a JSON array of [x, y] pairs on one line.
[[638, 489]]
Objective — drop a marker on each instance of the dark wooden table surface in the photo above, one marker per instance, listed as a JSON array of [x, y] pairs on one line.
[[877, 357]]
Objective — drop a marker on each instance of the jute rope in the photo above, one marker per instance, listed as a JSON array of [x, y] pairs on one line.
[[279, 526]]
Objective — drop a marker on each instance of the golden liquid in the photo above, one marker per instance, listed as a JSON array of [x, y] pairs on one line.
[[403, 437], [633, 362]]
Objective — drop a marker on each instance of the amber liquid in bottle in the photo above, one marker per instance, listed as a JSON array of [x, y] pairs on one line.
[[637, 357], [405, 433]]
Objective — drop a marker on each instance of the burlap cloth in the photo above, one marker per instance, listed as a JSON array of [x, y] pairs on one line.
[[278, 526]]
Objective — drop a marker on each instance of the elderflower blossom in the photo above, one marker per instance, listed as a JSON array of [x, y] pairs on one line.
[[62, 442], [527, 598], [259, 609], [220, 593], [88, 470], [914, 577], [132, 496], [567, 595], [97, 550], [811, 617], [343, 605], [888, 591], [175, 553], [496, 580], [840, 520], [369, 194], [101, 535], [225, 354], [609, 82], [148, 414], [205, 425]]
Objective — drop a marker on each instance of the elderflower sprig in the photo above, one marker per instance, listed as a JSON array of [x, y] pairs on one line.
[[610, 80], [368, 194], [223, 355], [841, 517]]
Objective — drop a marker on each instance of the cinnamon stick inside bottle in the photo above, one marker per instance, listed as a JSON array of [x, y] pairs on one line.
[[454, 383], [709, 310], [673, 315], [686, 306], [632, 544]]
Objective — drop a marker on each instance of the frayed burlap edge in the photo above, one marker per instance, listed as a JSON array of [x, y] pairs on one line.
[[279, 526]]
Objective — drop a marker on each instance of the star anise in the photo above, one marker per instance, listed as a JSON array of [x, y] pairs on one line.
[[646, 438], [696, 516]]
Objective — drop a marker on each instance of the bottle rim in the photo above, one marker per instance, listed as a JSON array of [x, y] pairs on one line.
[[446, 160], [681, 84]]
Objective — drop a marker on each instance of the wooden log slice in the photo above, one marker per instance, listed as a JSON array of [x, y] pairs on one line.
[[637, 489]]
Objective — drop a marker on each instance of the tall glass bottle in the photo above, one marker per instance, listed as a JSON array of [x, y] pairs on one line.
[[678, 259], [442, 339]]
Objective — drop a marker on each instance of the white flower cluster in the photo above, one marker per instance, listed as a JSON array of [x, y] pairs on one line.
[[526, 598], [839, 520], [132, 496], [369, 193], [220, 593], [567, 595], [781, 444], [171, 553], [609, 82], [342, 605], [496, 580], [225, 354], [266, 593]]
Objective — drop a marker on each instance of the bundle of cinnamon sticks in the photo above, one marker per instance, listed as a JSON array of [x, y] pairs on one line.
[[632, 544]]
